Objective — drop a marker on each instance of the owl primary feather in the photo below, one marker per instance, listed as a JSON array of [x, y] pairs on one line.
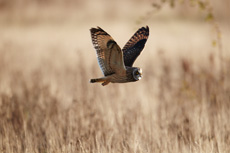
[[117, 64]]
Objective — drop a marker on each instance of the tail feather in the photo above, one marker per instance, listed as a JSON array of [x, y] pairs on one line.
[[93, 80], [97, 80], [100, 80]]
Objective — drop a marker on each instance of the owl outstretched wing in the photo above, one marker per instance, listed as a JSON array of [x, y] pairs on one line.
[[135, 45], [109, 54]]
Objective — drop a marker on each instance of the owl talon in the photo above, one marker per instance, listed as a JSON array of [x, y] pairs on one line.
[[105, 83]]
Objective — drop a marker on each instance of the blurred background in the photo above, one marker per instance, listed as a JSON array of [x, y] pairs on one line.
[[47, 59]]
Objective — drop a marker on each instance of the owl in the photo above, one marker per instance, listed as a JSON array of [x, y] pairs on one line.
[[117, 64]]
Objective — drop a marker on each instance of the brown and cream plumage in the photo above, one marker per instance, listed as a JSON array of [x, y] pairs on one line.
[[116, 64]]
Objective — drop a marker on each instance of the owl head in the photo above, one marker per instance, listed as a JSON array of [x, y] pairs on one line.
[[133, 73], [137, 73]]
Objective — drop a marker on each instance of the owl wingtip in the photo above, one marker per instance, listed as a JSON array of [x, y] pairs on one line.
[[145, 29], [94, 30], [99, 27]]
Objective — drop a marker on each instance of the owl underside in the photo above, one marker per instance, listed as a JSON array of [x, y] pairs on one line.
[[116, 77]]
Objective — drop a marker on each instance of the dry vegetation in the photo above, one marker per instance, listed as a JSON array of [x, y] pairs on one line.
[[48, 106]]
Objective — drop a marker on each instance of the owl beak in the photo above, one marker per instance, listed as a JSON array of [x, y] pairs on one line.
[[140, 74], [140, 71]]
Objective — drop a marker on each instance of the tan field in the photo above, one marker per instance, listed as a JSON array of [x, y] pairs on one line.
[[47, 105]]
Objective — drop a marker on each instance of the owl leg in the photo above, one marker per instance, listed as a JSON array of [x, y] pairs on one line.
[[105, 83]]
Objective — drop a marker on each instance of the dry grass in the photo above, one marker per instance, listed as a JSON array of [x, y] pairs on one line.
[[55, 109], [48, 106]]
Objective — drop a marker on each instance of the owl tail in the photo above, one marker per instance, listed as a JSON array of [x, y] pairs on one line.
[[95, 80], [100, 80]]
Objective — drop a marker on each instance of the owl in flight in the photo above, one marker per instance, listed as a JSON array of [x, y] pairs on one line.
[[116, 64]]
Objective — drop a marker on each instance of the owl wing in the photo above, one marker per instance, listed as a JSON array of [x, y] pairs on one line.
[[109, 54], [135, 45]]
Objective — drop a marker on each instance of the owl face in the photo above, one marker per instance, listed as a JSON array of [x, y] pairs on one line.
[[137, 74]]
